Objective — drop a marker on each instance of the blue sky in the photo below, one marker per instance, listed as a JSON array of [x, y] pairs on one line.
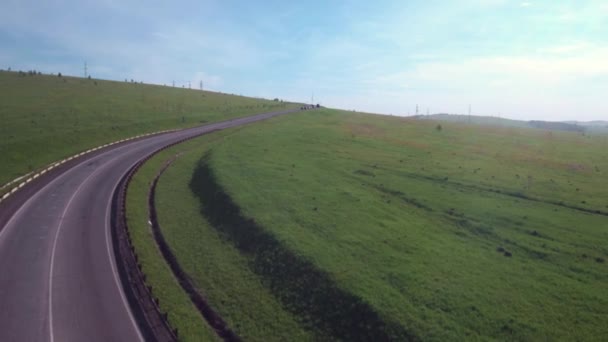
[[517, 59]]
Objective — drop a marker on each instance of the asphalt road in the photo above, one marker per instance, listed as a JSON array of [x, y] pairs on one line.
[[58, 275]]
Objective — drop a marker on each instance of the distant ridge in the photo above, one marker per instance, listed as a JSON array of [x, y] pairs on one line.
[[557, 126], [597, 126]]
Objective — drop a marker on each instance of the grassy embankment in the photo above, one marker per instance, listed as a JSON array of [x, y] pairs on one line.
[[246, 305], [47, 118], [463, 232]]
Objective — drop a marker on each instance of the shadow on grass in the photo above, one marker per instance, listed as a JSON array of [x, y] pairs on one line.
[[303, 289]]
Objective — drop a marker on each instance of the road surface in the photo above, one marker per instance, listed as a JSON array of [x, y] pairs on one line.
[[58, 274]]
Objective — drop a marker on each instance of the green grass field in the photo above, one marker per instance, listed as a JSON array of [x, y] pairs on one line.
[[46, 118], [333, 225]]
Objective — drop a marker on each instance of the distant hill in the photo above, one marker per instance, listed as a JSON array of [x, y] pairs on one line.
[[474, 119], [568, 126], [597, 123], [593, 126], [556, 126]]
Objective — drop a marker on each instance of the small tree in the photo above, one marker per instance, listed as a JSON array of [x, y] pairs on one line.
[[59, 75], [438, 128]]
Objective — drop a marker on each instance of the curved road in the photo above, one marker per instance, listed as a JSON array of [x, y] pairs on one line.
[[58, 275]]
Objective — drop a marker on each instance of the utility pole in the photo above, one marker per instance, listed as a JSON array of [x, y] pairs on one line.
[[201, 85], [469, 113], [312, 98], [416, 109], [173, 84], [85, 69], [189, 87]]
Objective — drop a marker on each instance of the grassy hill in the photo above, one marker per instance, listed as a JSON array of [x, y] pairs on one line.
[[337, 225], [45, 118]]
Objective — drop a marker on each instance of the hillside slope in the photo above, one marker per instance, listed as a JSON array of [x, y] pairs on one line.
[[45, 118], [463, 232]]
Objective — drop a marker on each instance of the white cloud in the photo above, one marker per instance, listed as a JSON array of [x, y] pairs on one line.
[[556, 84], [575, 47], [525, 71]]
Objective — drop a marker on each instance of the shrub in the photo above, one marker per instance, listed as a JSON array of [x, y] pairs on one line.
[[438, 128]]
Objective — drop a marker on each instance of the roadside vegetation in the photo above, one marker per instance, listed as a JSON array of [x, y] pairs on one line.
[[182, 314], [428, 233], [46, 117]]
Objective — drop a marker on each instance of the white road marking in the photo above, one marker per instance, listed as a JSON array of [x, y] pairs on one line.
[[114, 272], [52, 336], [9, 224], [3, 231]]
